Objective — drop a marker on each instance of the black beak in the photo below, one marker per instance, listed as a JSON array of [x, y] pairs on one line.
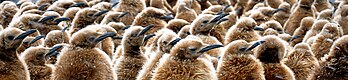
[[222, 20], [117, 37], [255, 45], [101, 13], [115, 4], [123, 14], [124, 28], [64, 29], [225, 8], [79, 4], [36, 39], [106, 35], [58, 20], [42, 7], [279, 9], [166, 17], [257, 28], [147, 37], [46, 18], [174, 41], [210, 47], [216, 19], [25, 34], [53, 49], [147, 28], [295, 37]]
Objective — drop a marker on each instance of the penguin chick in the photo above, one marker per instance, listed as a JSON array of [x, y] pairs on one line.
[[113, 17], [240, 6], [326, 14], [193, 4], [185, 13], [283, 15], [244, 29], [107, 44], [274, 3], [71, 12], [30, 42], [176, 24], [132, 7], [184, 31], [271, 24], [335, 64], [238, 62], [132, 59], [120, 28], [251, 4], [89, 61], [12, 67], [321, 5], [8, 9], [60, 6], [34, 57], [306, 24], [302, 62], [49, 22], [270, 31], [304, 9], [56, 37], [83, 18], [102, 6], [183, 62], [270, 53], [321, 45], [342, 18], [316, 28], [161, 4], [165, 43], [151, 15]]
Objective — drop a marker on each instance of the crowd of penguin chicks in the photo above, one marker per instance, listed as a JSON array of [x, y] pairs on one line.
[[174, 39]]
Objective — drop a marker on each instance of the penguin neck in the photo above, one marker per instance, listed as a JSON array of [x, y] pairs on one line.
[[8, 55], [132, 50]]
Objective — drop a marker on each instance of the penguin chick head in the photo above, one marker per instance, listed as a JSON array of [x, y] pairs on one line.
[[167, 41], [88, 38], [11, 38], [184, 31], [87, 15], [306, 3], [154, 14], [272, 50], [303, 46], [35, 56], [275, 25], [206, 22], [241, 47], [339, 48], [331, 30], [190, 48], [246, 23], [133, 38]]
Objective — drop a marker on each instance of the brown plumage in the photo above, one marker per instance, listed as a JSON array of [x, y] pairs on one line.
[[7, 11], [120, 28], [321, 45], [30, 42], [185, 13], [304, 9], [27, 22], [133, 7], [113, 17], [107, 45], [34, 57], [271, 53], [89, 61], [316, 28], [306, 24], [193, 4], [12, 67], [176, 24], [132, 59], [326, 14], [274, 3], [151, 15], [56, 37], [83, 18], [61, 6], [321, 5], [49, 22], [183, 62], [291, 2], [283, 15], [302, 62], [335, 64], [342, 19], [185, 31], [161, 4], [244, 29], [240, 7], [273, 25], [251, 3], [238, 62]]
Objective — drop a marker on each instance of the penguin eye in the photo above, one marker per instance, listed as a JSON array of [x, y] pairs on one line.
[[192, 49], [165, 42], [26, 42], [205, 21], [90, 14], [10, 37], [91, 38], [242, 49], [188, 33]]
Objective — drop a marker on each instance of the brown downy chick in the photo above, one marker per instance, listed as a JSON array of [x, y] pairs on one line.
[[161, 4], [251, 3], [224, 26], [335, 64], [60, 6], [120, 28], [34, 57], [27, 22], [240, 6], [321, 46], [8, 9], [30, 42], [12, 67], [321, 5], [165, 43], [326, 14], [238, 62], [343, 18], [185, 13], [283, 15], [274, 3], [107, 45], [184, 31], [218, 9], [244, 29], [302, 62], [24, 9], [304, 9], [316, 28], [71, 12], [271, 54], [306, 25], [44, 2], [184, 61], [129, 64], [51, 56], [83, 18], [103, 6], [80, 3], [291, 2], [270, 25], [219, 2], [113, 17], [133, 7], [177, 24], [193, 4], [50, 21], [56, 37], [264, 14], [151, 15], [270, 31], [82, 60]]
